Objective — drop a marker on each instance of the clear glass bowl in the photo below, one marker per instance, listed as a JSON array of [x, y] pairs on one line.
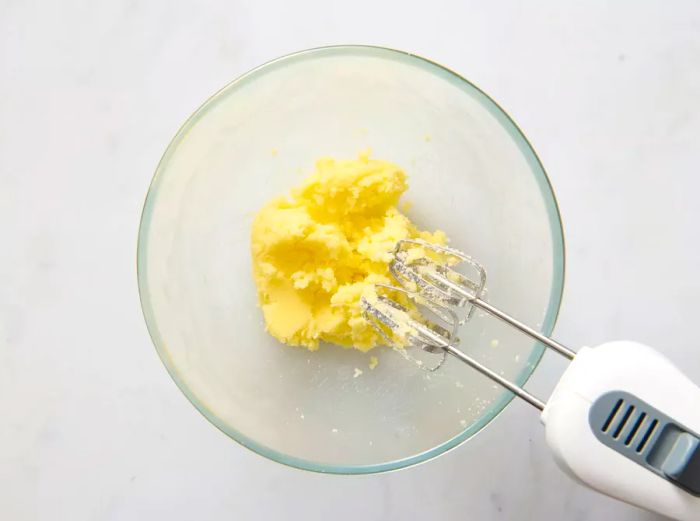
[[471, 173]]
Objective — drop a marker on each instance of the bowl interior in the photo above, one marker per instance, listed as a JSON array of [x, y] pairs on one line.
[[471, 174]]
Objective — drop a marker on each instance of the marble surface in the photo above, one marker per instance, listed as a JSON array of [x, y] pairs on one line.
[[91, 93]]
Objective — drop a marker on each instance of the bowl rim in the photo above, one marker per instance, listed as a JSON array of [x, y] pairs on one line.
[[556, 230]]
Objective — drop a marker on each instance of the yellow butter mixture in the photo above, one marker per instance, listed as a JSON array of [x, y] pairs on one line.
[[316, 252]]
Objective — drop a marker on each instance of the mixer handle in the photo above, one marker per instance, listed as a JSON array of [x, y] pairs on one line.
[[624, 421]]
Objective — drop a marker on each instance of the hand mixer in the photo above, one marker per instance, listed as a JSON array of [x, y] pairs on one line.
[[622, 419]]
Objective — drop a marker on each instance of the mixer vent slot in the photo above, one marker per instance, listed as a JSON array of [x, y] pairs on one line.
[[612, 415], [650, 430], [635, 428], [623, 422]]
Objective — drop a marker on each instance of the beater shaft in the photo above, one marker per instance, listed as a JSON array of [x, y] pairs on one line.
[[549, 342], [515, 389]]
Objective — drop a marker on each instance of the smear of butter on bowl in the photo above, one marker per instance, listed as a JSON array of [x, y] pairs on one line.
[[316, 252], [373, 362]]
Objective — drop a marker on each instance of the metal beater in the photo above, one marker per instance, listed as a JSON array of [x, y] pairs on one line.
[[435, 286]]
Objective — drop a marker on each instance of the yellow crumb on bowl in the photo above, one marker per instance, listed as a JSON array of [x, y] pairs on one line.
[[373, 362], [317, 252]]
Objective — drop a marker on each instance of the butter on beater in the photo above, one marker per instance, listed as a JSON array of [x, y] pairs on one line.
[[317, 252]]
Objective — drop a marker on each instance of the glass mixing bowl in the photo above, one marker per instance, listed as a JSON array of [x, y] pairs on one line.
[[471, 173]]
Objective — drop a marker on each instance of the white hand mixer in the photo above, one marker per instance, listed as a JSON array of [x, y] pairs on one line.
[[622, 419]]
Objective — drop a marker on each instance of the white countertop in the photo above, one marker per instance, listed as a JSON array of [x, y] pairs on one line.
[[90, 95]]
